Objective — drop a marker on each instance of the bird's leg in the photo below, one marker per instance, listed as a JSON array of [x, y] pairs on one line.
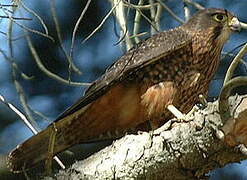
[[50, 154], [192, 79]]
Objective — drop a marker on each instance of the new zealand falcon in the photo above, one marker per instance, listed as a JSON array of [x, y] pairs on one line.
[[170, 68]]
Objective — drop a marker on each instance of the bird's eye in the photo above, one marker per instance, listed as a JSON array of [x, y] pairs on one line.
[[220, 17]]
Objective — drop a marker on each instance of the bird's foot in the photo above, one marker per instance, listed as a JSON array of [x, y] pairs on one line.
[[203, 101], [180, 117], [239, 148], [220, 134], [178, 114], [242, 148]]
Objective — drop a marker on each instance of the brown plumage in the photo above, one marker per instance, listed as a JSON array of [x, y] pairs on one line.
[[171, 67]]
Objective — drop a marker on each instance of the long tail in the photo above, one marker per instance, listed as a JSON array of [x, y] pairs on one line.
[[36, 149]]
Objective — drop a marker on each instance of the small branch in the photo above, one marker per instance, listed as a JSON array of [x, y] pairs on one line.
[[35, 15], [152, 13], [137, 23], [34, 129], [27, 28], [121, 19], [8, 5], [76, 28], [234, 63], [158, 15], [17, 18]]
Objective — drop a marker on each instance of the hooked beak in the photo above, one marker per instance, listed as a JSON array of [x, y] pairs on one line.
[[234, 24]]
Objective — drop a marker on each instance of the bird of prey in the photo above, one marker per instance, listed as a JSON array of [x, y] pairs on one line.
[[165, 72]]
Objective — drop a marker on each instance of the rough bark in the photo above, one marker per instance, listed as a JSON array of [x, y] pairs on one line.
[[187, 150]]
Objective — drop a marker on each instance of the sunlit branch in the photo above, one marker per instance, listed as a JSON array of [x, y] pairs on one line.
[[137, 23], [158, 15], [121, 19], [34, 129], [152, 13], [234, 64]]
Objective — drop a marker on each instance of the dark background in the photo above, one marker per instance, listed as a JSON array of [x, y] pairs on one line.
[[50, 97]]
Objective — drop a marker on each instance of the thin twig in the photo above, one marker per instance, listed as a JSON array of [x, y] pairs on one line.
[[27, 28], [76, 28], [139, 6], [60, 40], [195, 4], [100, 25], [31, 30], [46, 71], [171, 12], [6, 9], [17, 18], [158, 15], [35, 15], [14, 65]]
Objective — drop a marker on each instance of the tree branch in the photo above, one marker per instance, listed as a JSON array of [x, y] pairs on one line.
[[185, 151]]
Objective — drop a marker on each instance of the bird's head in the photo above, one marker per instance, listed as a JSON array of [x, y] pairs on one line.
[[217, 23]]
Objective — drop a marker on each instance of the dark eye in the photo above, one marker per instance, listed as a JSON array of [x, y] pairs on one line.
[[219, 17]]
